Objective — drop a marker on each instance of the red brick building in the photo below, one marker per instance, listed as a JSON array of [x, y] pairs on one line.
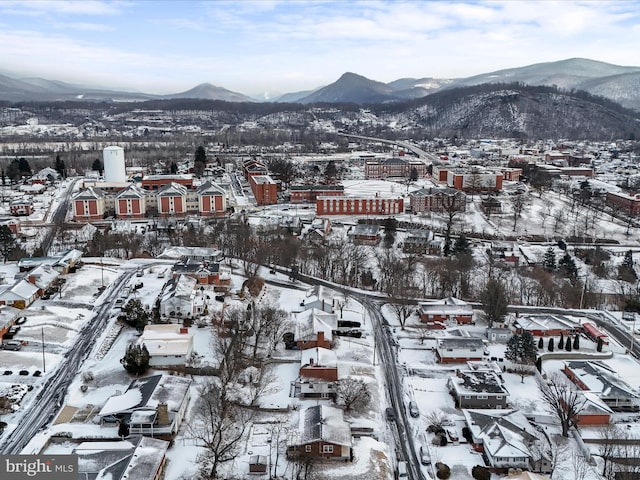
[[157, 182], [89, 205], [130, 203], [264, 189], [394, 167], [212, 200], [172, 200], [623, 201], [512, 174], [323, 434], [470, 181], [359, 206], [309, 193], [21, 207], [437, 199], [447, 309]]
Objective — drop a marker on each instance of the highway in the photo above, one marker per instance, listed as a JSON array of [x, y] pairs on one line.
[[58, 218], [401, 143], [48, 401]]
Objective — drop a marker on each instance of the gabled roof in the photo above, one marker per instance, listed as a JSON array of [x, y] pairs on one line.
[[449, 305], [312, 321], [365, 229], [181, 286], [43, 276], [132, 191], [326, 424], [321, 357], [210, 188], [601, 379], [503, 433], [478, 381], [172, 190], [21, 290], [90, 193]]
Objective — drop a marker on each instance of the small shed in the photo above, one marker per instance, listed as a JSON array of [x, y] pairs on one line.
[[258, 464]]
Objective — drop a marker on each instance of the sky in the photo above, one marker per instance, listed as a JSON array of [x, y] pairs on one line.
[[255, 47]]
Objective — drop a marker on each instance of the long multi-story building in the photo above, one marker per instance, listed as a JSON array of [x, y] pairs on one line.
[[327, 205], [133, 202], [394, 167], [309, 193], [437, 199], [628, 203]]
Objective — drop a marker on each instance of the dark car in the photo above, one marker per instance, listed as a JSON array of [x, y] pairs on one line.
[[390, 414]]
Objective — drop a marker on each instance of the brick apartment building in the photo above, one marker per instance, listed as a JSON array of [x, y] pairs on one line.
[[359, 206], [624, 201], [309, 193]]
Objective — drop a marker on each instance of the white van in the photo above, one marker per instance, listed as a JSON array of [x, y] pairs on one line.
[[402, 470]]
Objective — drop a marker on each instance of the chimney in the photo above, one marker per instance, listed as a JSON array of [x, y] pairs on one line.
[[163, 415]]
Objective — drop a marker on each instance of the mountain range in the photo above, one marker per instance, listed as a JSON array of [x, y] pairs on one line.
[[618, 83]]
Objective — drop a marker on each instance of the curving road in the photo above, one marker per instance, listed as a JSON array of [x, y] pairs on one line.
[[49, 400]]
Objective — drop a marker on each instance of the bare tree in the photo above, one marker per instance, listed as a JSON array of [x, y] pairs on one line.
[[518, 204], [436, 419], [278, 441], [564, 401], [219, 426], [353, 393]]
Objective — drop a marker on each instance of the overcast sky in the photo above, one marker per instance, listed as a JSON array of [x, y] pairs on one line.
[[284, 46]]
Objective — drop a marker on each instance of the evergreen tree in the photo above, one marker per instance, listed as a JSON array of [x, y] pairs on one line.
[[461, 245], [550, 347], [136, 359], [97, 166], [123, 429], [494, 301], [576, 342], [567, 345], [540, 343], [413, 177], [561, 342], [599, 345], [521, 349], [59, 167], [330, 172], [173, 168], [200, 161], [8, 243], [626, 270], [549, 260], [136, 315], [24, 167], [568, 266]]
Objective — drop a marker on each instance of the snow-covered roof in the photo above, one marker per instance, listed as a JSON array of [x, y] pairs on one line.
[[468, 382], [601, 379], [324, 423], [120, 403], [319, 356], [449, 305], [21, 290], [161, 342], [312, 321]]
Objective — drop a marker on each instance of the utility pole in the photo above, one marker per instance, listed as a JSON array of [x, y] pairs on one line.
[[44, 368]]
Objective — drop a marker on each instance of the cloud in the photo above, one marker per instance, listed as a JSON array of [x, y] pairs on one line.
[[70, 7], [85, 26]]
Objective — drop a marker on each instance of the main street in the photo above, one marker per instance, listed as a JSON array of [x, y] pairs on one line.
[[48, 401]]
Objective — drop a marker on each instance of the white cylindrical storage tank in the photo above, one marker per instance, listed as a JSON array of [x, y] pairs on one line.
[[113, 161]]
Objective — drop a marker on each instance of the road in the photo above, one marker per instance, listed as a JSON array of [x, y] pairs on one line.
[[401, 143], [50, 398], [58, 218]]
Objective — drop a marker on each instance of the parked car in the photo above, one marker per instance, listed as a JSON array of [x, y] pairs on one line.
[[413, 409], [452, 435], [11, 345], [402, 470], [425, 456], [391, 415], [139, 273]]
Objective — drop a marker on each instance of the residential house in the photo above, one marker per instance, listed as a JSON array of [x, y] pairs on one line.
[[168, 344], [504, 437], [318, 297], [478, 389], [448, 309], [459, 349], [418, 241], [19, 295], [491, 205], [319, 363], [599, 378], [545, 325], [177, 297], [314, 389], [12, 223], [365, 234], [314, 328], [593, 411], [498, 334], [137, 457], [8, 317], [21, 207], [322, 433], [201, 254], [154, 406], [205, 273], [42, 277]]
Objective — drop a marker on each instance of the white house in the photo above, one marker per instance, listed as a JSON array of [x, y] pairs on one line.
[[168, 344], [178, 296]]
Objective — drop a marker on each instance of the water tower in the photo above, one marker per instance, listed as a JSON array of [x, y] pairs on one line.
[[113, 161]]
